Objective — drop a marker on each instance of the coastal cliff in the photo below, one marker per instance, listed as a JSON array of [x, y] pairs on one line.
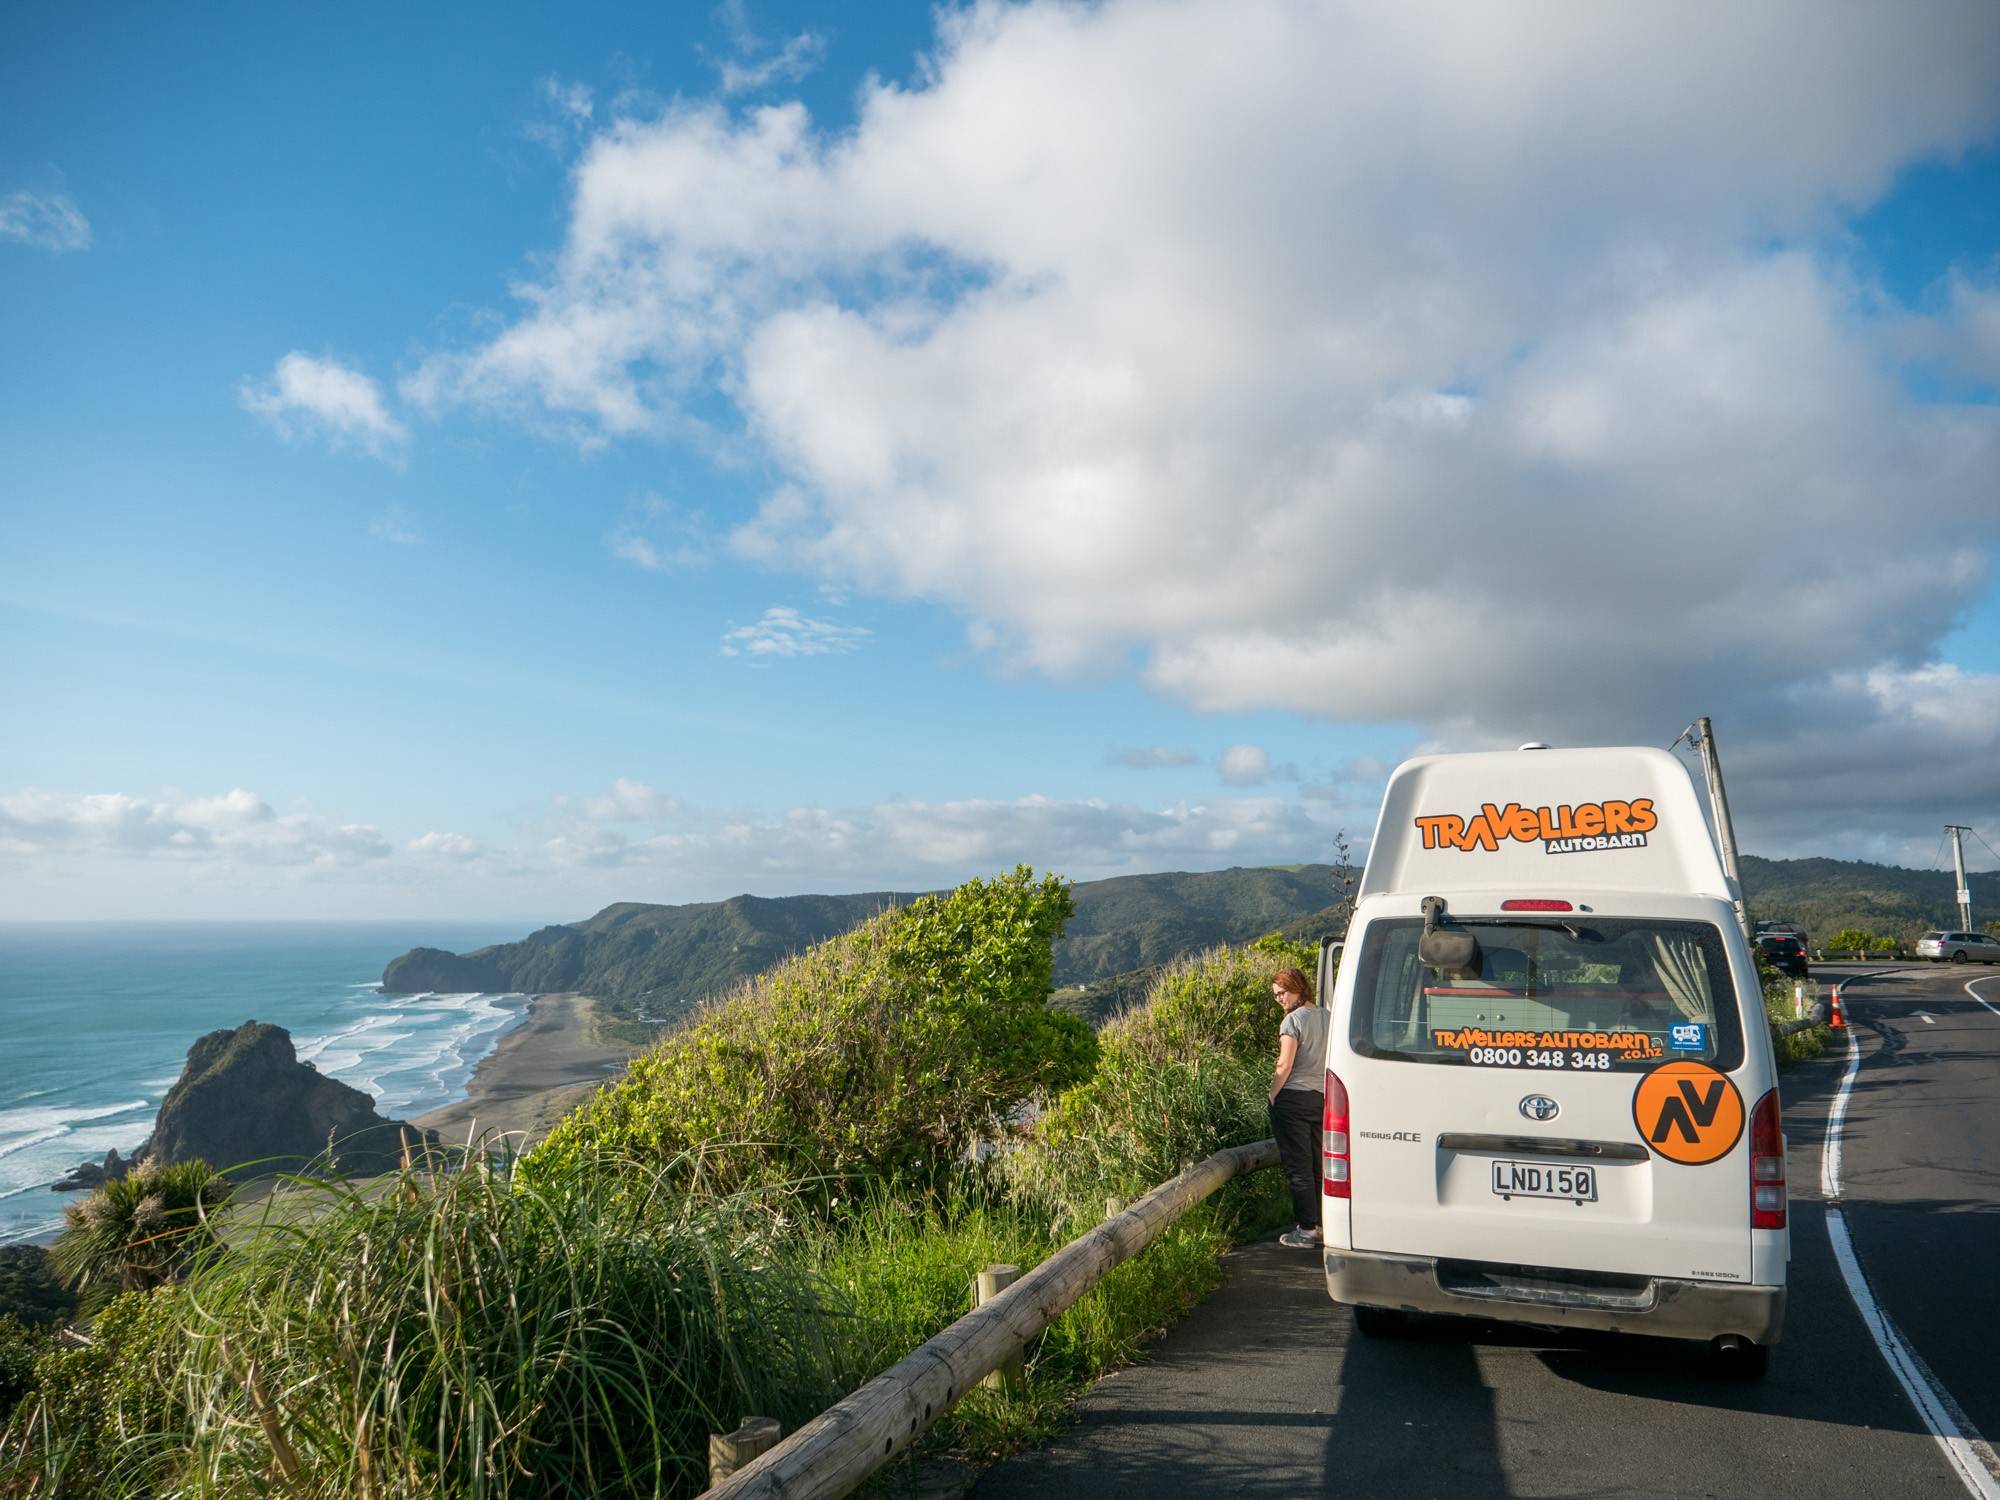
[[244, 1097], [436, 971]]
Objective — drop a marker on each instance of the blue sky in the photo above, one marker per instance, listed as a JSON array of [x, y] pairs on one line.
[[412, 425]]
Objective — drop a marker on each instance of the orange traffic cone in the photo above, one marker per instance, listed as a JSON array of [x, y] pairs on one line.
[[1837, 1016]]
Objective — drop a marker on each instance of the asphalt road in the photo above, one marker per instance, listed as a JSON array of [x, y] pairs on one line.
[[1268, 1390]]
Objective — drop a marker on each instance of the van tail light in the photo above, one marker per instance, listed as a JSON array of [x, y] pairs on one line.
[[1767, 1164], [1335, 1168], [1524, 903]]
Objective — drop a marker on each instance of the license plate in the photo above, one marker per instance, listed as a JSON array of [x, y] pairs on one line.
[[1533, 1179]]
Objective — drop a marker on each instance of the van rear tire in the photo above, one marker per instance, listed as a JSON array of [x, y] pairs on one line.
[[1381, 1322], [1737, 1359]]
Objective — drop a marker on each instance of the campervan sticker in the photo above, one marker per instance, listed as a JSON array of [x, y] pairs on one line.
[[1688, 1036], [1581, 1050], [1688, 1112], [1579, 828]]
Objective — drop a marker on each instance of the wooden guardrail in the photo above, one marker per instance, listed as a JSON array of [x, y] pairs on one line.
[[832, 1454]]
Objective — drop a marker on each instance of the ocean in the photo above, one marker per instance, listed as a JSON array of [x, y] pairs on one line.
[[96, 1020]]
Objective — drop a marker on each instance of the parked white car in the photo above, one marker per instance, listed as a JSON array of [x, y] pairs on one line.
[[1959, 947]]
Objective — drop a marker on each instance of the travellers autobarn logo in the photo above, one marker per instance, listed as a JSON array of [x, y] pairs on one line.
[[1564, 829]]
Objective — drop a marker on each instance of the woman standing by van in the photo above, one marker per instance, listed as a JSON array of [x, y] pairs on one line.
[[1296, 1101]]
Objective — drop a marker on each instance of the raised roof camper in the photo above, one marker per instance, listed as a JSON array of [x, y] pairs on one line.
[[1551, 1096]]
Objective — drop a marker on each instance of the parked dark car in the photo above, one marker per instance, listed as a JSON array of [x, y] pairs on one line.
[[1786, 953]]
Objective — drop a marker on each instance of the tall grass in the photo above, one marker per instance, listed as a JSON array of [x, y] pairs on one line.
[[455, 1334]]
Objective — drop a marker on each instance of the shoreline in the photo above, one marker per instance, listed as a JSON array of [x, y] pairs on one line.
[[541, 1068]]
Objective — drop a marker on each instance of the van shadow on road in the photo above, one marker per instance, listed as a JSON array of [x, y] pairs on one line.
[[1268, 1390]]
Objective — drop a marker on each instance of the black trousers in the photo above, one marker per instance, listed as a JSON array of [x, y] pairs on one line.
[[1295, 1123]]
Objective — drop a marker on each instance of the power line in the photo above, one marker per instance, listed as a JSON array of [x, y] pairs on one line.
[[1982, 839]]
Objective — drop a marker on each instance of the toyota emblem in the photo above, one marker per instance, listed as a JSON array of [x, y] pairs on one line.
[[1540, 1108]]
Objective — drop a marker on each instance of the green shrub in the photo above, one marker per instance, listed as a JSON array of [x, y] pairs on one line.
[[880, 1052], [20, 1348], [1133, 1126], [106, 1417], [29, 1290], [1797, 1046], [1178, 1078], [1215, 1003], [1288, 953]]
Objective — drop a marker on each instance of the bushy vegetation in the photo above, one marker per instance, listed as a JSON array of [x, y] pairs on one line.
[[877, 1053], [1795, 1046], [29, 1289], [778, 1203]]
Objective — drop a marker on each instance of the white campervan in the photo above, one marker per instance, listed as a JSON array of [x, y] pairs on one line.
[[1550, 1091]]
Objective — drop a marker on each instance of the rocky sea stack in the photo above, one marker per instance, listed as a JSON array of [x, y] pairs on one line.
[[244, 1097]]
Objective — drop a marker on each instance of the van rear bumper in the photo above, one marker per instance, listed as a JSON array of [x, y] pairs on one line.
[[1662, 1306]]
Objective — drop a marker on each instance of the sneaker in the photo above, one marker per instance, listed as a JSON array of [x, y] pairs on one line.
[[1300, 1239]]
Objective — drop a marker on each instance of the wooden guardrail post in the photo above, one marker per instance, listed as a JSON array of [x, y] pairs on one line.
[[987, 1285], [730, 1451]]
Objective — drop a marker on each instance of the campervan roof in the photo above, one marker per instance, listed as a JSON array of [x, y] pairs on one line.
[[1535, 822]]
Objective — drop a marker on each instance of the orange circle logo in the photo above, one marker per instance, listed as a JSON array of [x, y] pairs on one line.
[[1688, 1112]]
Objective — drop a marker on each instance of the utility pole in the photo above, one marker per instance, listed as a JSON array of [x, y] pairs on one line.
[[1725, 830], [1957, 830]]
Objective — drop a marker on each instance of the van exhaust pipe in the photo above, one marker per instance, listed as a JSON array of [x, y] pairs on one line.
[[1738, 1358]]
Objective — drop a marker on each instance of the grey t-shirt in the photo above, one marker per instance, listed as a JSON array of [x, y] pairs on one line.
[[1308, 1025]]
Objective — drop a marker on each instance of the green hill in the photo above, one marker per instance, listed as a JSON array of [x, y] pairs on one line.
[[653, 962], [1887, 900]]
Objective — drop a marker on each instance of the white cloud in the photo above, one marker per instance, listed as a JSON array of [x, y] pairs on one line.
[[753, 63], [798, 56], [633, 801], [325, 398], [1438, 365], [1246, 765], [572, 101], [396, 525], [1153, 758], [918, 844], [48, 221], [566, 109], [456, 847], [784, 632], [636, 549], [235, 827], [660, 536]]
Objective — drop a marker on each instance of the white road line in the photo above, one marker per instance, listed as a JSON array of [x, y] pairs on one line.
[[1967, 1453], [1927, 1018], [1979, 997]]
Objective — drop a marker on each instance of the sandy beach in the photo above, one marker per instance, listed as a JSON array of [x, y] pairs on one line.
[[541, 1070]]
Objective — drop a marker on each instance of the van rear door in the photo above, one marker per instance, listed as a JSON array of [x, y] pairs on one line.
[[1564, 1100]]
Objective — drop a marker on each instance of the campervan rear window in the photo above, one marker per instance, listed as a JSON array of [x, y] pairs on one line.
[[1593, 994]]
